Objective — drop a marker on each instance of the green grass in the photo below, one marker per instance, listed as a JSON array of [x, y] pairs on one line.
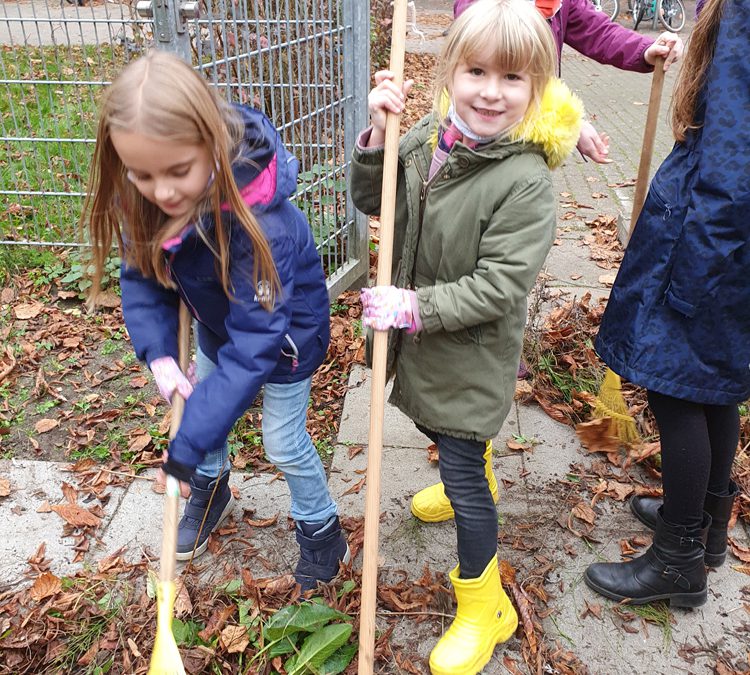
[[563, 380], [658, 614], [49, 106]]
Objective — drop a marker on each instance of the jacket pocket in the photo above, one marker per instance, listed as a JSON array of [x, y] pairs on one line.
[[467, 336]]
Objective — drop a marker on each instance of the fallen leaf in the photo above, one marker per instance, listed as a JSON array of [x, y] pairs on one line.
[[182, 604], [28, 310], [607, 279], [4, 487], [741, 552], [134, 648], [514, 445], [354, 489], [584, 512], [139, 382], [576, 277], [45, 585], [262, 523], [596, 436], [591, 610], [76, 516], [45, 425], [139, 443]]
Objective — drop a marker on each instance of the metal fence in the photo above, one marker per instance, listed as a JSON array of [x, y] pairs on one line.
[[303, 62]]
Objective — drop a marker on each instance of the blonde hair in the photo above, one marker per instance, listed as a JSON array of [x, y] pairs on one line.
[[160, 95], [695, 68], [512, 31]]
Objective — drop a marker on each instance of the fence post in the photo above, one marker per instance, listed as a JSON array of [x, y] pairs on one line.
[[356, 17], [170, 25]]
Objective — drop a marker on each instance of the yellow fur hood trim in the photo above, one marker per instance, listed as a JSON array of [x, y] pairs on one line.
[[554, 125]]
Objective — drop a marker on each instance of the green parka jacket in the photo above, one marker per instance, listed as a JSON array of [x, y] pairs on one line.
[[471, 241]]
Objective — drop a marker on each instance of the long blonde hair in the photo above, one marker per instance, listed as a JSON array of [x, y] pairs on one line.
[[160, 95], [695, 68], [513, 31]]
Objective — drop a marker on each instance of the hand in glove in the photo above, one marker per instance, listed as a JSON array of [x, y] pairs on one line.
[[390, 307], [169, 378]]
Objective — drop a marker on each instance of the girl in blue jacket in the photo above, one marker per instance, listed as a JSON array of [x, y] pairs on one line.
[[678, 319], [196, 192]]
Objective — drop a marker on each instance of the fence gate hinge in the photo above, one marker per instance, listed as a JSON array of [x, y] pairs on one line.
[[165, 24]]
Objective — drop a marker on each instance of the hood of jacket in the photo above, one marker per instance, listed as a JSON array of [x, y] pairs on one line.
[[264, 170], [553, 126]]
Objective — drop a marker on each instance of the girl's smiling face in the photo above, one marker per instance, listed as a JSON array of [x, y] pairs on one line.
[[173, 175], [487, 98]]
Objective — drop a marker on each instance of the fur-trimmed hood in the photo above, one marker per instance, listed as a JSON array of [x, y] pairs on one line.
[[554, 125]]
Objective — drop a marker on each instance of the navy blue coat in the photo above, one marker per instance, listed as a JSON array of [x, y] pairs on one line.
[[250, 345], [678, 319]]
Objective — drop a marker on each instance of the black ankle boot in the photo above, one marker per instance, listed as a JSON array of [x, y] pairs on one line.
[[322, 547], [719, 507], [201, 489], [671, 569]]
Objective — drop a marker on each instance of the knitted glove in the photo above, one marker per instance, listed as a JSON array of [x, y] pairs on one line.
[[169, 378], [387, 307]]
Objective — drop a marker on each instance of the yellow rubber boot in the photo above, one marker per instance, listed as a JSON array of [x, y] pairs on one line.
[[485, 617], [432, 506]]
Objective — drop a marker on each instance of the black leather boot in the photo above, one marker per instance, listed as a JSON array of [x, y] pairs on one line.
[[189, 533], [719, 507], [671, 569]]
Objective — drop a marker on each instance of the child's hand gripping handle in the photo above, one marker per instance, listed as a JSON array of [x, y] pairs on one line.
[[380, 344], [165, 657]]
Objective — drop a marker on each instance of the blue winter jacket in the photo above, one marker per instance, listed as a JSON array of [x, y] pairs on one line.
[[250, 345], [678, 319]]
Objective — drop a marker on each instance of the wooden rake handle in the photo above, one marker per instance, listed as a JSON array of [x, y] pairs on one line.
[[647, 149], [380, 348], [168, 559]]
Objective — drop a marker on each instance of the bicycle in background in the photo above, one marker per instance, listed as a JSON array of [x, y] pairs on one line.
[[670, 13], [610, 7]]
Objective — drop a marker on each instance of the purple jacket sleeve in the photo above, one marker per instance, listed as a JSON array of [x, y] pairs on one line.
[[594, 35]]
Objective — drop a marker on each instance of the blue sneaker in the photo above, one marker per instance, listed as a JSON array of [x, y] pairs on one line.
[[322, 547], [201, 488]]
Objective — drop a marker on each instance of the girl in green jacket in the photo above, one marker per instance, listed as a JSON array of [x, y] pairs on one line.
[[475, 219]]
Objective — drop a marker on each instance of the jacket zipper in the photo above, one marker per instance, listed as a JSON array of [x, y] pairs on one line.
[[426, 184], [170, 269]]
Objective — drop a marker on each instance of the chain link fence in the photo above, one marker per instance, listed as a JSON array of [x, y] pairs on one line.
[[303, 62]]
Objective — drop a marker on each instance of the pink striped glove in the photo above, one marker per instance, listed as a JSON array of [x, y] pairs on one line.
[[169, 378], [390, 307]]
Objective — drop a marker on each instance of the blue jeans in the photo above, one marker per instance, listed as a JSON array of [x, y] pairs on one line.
[[287, 445]]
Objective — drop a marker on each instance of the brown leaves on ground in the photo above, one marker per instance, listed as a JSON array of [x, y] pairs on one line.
[[420, 68], [559, 350], [604, 245], [331, 380]]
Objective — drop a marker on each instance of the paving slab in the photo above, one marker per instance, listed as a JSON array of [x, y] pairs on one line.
[[26, 521]]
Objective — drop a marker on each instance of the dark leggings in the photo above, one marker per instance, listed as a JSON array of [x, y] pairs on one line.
[[462, 472], [698, 444]]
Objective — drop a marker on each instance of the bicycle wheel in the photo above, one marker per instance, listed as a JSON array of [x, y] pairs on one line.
[[672, 15], [639, 9], [610, 7]]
